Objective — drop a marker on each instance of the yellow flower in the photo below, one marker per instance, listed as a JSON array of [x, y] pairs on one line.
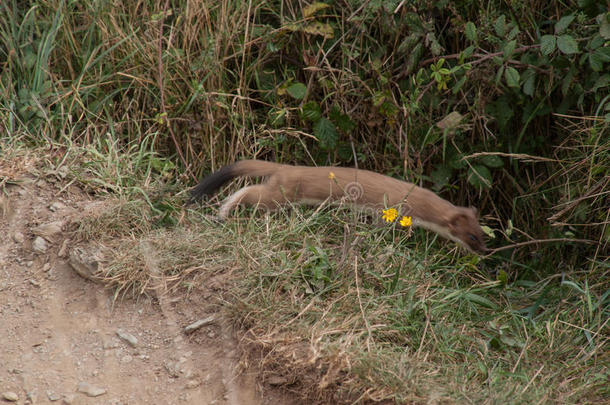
[[406, 221], [331, 175], [389, 215]]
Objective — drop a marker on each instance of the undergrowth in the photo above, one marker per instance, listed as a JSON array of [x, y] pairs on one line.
[[346, 311]]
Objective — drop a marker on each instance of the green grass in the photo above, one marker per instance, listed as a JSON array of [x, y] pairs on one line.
[[348, 310]]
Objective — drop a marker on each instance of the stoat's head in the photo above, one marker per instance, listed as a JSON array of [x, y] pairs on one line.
[[464, 227]]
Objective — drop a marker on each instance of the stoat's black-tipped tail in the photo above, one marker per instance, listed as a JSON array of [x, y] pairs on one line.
[[250, 168], [210, 184]]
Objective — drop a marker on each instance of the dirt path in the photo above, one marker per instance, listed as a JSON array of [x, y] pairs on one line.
[[59, 330]]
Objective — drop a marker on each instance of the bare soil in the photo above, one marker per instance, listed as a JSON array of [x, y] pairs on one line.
[[59, 330]]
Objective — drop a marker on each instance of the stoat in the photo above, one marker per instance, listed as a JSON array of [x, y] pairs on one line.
[[365, 189]]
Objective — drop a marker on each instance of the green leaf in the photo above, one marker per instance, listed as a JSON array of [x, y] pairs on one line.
[[297, 90], [500, 26], [513, 33], [604, 27], [478, 299], [529, 82], [596, 42], [457, 86], [471, 31], [342, 121], [567, 44], [320, 28], [512, 76], [479, 176], [313, 8], [488, 231], [502, 277], [509, 49], [499, 74], [603, 54], [456, 161], [547, 44], [566, 83], [326, 133], [494, 161], [596, 62], [468, 51], [440, 176], [602, 82], [311, 111], [563, 23], [501, 110]]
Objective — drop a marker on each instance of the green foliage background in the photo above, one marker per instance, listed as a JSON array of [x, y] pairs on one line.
[[504, 105], [501, 105]]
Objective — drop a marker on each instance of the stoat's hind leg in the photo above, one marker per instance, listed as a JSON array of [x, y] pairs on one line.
[[251, 195]]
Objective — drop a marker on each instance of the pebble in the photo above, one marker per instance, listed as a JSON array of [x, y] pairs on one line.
[[31, 397], [126, 359], [69, 399], [128, 337], [49, 231], [10, 396], [53, 396], [39, 245], [18, 237], [56, 206], [193, 384], [84, 263], [198, 324], [90, 390]]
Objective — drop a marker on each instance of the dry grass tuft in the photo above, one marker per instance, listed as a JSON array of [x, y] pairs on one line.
[[338, 311]]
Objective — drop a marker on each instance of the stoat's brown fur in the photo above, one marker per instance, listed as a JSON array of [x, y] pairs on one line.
[[314, 185]]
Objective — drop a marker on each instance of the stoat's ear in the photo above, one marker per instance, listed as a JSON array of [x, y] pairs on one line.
[[456, 221]]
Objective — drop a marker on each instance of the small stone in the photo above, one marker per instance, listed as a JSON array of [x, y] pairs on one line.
[[69, 399], [56, 206], [85, 263], [198, 324], [18, 237], [90, 390], [10, 396], [46, 267], [53, 396], [128, 337], [126, 359], [193, 384], [39, 245], [172, 368], [49, 231], [31, 397], [64, 248]]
